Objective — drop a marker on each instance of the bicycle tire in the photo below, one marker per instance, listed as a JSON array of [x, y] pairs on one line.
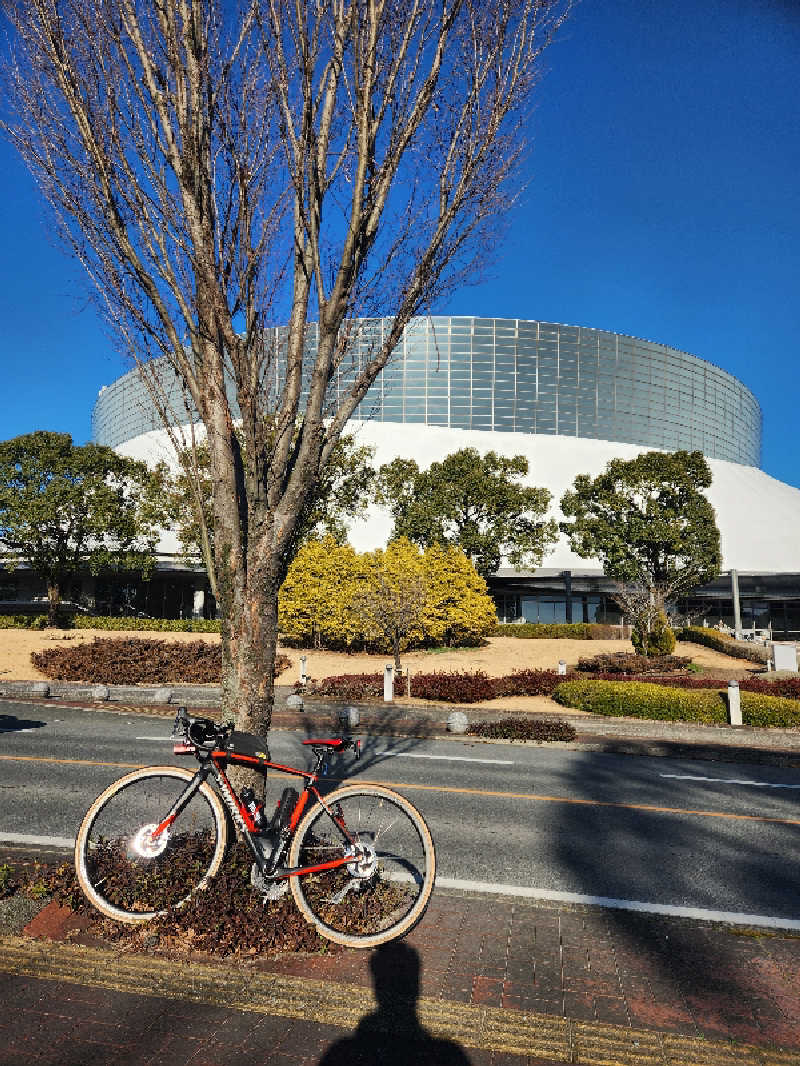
[[114, 871], [364, 905]]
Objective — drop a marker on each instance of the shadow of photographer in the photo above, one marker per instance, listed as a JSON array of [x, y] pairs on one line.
[[393, 1035]]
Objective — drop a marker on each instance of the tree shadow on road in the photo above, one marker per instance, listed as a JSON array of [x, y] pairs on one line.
[[378, 725], [9, 723], [675, 970], [393, 1035]]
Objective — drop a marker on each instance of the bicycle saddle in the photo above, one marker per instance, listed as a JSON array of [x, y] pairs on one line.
[[335, 744]]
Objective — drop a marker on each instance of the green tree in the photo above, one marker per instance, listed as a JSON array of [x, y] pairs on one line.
[[649, 523], [66, 508], [341, 493], [472, 502]]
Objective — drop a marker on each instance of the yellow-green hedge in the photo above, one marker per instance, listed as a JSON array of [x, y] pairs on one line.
[[635, 699]]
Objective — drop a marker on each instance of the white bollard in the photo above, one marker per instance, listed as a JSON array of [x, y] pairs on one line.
[[734, 703], [388, 683], [562, 667], [303, 674]]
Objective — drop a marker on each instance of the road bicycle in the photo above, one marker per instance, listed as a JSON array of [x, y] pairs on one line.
[[359, 860]]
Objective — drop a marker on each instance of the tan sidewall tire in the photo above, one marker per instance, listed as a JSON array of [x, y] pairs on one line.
[[419, 907], [148, 771]]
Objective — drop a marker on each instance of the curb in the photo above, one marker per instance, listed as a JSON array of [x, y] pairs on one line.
[[342, 1004], [595, 733]]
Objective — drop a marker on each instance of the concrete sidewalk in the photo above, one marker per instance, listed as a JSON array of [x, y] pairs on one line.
[[502, 982]]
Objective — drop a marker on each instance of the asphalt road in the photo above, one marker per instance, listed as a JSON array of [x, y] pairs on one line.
[[714, 837]]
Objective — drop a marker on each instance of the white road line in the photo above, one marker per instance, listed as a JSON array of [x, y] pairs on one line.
[[443, 758], [728, 780], [23, 838], [523, 892], [697, 913], [165, 739]]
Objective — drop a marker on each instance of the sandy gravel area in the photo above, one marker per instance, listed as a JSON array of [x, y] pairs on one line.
[[502, 655]]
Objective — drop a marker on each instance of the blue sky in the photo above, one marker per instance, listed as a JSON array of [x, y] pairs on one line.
[[663, 201]]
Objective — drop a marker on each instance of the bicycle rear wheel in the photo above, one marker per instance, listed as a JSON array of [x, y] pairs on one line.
[[122, 871], [383, 892]]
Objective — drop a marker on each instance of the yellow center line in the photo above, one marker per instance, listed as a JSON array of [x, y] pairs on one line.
[[531, 797], [73, 762], [538, 798]]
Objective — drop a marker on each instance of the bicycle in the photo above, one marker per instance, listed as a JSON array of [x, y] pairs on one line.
[[360, 861]]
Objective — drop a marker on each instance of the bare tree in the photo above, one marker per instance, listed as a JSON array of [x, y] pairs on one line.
[[217, 169]]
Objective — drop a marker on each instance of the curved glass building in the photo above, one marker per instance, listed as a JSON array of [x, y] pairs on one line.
[[517, 376], [567, 398]]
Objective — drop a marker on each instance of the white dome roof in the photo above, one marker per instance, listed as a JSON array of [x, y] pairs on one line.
[[758, 516]]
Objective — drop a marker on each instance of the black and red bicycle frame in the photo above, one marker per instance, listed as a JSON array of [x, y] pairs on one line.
[[213, 762]]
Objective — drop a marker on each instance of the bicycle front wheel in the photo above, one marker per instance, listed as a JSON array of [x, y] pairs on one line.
[[122, 870], [383, 891]]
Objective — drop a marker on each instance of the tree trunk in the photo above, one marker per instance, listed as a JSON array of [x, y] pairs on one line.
[[249, 639], [53, 601], [397, 667]]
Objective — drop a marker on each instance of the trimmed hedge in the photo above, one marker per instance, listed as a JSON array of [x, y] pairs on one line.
[[635, 699], [722, 642], [112, 622], [442, 686], [152, 625], [780, 686], [523, 729], [23, 621], [133, 661], [351, 686], [631, 663], [557, 631], [455, 687]]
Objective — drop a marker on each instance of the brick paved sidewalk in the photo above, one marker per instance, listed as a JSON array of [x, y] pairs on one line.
[[503, 983]]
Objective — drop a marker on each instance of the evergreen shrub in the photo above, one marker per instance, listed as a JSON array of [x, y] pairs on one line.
[[442, 686], [657, 641], [522, 729], [130, 661], [454, 687], [111, 623], [635, 699], [722, 642]]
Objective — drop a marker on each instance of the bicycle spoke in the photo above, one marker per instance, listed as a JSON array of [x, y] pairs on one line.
[[387, 876], [127, 869]]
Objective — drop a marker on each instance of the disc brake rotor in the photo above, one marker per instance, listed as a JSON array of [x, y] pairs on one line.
[[149, 847], [364, 860]]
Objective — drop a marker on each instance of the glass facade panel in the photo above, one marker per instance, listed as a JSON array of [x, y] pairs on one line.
[[508, 375]]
